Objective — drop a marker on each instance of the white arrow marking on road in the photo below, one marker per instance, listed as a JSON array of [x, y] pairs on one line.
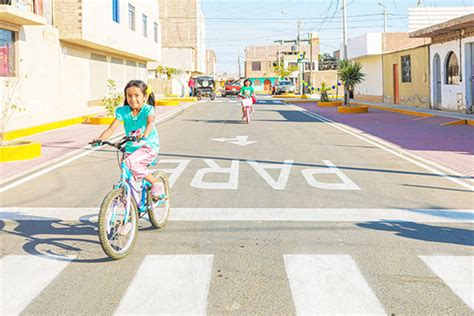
[[237, 140]]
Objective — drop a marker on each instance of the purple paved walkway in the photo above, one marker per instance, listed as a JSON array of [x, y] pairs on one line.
[[60, 142], [448, 146]]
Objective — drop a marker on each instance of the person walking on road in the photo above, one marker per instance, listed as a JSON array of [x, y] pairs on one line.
[[191, 86]]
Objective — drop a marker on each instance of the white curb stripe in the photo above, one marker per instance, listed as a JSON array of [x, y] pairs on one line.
[[329, 285], [258, 214], [457, 272], [169, 285], [23, 278]]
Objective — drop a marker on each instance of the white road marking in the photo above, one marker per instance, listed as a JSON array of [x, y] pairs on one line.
[[258, 214], [457, 272], [237, 140], [176, 172], [346, 184], [282, 180], [169, 285], [214, 168], [388, 148], [329, 285], [88, 151], [23, 278]]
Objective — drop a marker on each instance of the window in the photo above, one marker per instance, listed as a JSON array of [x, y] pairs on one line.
[[7, 53], [406, 68], [144, 25], [155, 27], [256, 66], [307, 66], [131, 17], [452, 69], [115, 11]]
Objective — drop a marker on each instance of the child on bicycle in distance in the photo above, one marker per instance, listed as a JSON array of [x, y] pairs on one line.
[[138, 119], [246, 92]]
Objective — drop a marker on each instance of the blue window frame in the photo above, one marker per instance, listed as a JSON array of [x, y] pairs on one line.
[[116, 11]]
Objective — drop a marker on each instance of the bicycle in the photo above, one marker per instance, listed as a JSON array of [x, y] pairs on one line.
[[247, 103], [125, 204]]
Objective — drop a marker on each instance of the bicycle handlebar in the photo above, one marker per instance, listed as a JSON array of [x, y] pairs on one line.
[[118, 145]]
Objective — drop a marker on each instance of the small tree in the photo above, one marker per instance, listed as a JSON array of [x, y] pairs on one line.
[[351, 75], [9, 106], [283, 72], [324, 92], [113, 98]]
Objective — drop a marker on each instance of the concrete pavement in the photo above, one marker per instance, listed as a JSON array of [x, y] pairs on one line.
[[305, 218]]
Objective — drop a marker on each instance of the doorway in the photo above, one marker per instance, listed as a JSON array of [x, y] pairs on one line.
[[436, 82], [396, 87]]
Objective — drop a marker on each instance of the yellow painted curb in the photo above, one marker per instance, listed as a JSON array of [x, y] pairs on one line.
[[401, 111], [305, 96], [459, 122], [302, 101], [44, 127], [184, 99], [330, 103], [166, 103], [352, 109], [23, 151], [101, 120]]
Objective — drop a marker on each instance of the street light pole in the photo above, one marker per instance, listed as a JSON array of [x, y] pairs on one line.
[[301, 65], [384, 17], [344, 27]]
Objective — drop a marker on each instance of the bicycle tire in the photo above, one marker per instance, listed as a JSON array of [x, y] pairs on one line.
[[102, 225], [247, 114], [155, 221]]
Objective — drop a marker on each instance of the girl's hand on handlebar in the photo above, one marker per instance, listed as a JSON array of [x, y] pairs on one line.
[[96, 142]]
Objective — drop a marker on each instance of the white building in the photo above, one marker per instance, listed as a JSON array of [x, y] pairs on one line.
[[422, 17], [451, 63], [368, 49], [62, 53]]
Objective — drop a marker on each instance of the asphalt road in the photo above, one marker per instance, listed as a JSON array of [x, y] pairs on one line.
[[287, 215]]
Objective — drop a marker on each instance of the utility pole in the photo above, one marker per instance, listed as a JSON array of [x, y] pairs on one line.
[[301, 65], [384, 17], [310, 60], [344, 27]]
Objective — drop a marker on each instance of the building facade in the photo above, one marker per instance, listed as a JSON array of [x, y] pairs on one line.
[[406, 77], [369, 49], [451, 63], [211, 62], [59, 67], [183, 28]]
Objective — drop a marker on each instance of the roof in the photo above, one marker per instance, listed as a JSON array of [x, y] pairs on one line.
[[456, 24]]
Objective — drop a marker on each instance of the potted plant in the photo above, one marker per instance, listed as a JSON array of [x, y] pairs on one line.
[[110, 102], [350, 73], [12, 149], [324, 99]]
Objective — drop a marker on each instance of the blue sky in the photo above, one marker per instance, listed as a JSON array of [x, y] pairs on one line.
[[232, 25]]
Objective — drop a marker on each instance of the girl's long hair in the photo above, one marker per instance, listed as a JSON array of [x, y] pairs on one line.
[[134, 83], [248, 81]]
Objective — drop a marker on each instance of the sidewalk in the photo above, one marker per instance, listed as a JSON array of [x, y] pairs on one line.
[[61, 143], [406, 108], [451, 147]]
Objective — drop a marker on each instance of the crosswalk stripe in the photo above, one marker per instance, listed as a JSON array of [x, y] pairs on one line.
[[171, 285], [23, 278], [457, 272], [329, 285], [258, 214]]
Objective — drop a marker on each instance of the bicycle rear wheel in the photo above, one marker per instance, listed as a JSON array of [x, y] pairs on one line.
[[117, 233], [159, 211], [247, 114]]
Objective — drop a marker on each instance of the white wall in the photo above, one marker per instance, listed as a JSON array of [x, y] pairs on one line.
[[449, 93], [366, 44], [373, 80], [201, 39], [419, 18], [99, 28], [180, 58]]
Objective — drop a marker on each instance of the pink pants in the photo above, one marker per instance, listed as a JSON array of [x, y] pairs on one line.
[[139, 160]]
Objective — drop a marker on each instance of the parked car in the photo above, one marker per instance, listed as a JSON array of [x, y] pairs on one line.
[[231, 88], [284, 86]]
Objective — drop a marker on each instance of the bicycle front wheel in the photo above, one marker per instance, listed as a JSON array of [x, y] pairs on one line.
[[117, 226], [159, 210]]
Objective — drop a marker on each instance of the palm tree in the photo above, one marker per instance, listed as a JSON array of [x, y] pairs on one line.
[[324, 91], [351, 75]]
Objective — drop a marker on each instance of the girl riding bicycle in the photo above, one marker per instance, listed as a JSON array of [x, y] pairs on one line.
[[138, 119], [246, 92]]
